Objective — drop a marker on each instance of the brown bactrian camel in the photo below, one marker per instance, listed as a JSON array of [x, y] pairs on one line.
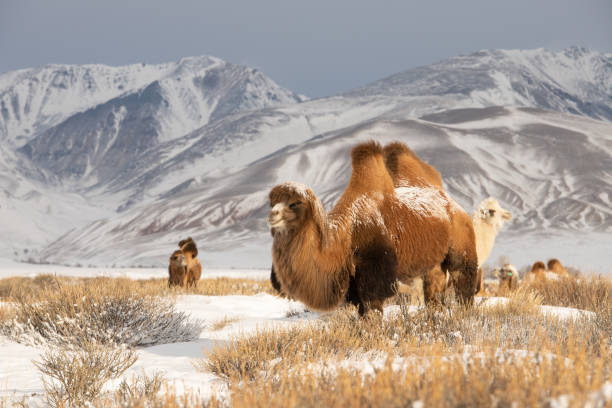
[[194, 268], [374, 235], [177, 269], [408, 170]]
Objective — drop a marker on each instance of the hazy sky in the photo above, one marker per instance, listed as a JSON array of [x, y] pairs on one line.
[[315, 47]]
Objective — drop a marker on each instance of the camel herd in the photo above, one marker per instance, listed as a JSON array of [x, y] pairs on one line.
[[394, 224]]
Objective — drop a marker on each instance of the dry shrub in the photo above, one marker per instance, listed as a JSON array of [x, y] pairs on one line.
[[76, 375], [104, 311], [141, 390]]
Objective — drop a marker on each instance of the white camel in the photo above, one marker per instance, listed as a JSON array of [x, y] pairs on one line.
[[488, 219]]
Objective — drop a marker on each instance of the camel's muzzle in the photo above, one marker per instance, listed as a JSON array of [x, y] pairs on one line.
[[275, 217]]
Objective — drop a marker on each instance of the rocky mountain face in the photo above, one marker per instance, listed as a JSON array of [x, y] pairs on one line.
[[195, 149]]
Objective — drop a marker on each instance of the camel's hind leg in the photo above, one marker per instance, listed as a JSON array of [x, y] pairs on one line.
[[375, 276]]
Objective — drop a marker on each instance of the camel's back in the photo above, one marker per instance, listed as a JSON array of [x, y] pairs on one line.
[[419, 223]]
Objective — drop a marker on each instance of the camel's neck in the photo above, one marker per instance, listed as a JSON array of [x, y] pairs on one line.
[[314, 263], [485, 238]]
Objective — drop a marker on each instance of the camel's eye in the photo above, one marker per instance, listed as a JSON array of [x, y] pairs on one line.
[[295, 205], [174, 258], [491, 213]]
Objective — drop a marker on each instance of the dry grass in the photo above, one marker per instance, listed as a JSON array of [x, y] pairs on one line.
[[501, 355], [343, 335], [485, 381], [593, 293], [31, 289], [220, 324]]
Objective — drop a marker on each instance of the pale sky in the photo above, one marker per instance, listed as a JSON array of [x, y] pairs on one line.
[[314, 47]]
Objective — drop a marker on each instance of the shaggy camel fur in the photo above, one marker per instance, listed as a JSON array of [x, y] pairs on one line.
[[194, 268], [408, 170], [374, 235], [508, 278], [177, 269], [488, 218], [555, 266]]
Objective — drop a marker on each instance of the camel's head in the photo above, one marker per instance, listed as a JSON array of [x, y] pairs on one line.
[[507, 272], [492, 213], [178, 267], [538, 267], [292, 204], [178, 258]]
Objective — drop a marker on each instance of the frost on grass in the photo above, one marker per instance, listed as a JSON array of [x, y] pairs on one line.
[[73, 315]]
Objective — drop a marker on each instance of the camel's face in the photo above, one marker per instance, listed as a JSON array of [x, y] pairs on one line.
[[290, 206], [178, 265], [178, 259], [507, 272], [286, 215], [492, 213]]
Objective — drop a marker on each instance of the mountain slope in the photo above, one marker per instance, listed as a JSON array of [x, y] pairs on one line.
[[518, 155]]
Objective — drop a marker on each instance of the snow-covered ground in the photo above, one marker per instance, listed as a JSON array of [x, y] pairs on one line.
[[9, 268]]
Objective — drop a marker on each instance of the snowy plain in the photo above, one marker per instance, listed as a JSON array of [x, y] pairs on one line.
[[243, 314]]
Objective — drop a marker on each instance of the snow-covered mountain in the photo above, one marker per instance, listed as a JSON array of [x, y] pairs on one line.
[[193, 91], [65, 128], [576, 80], [194, 148]]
